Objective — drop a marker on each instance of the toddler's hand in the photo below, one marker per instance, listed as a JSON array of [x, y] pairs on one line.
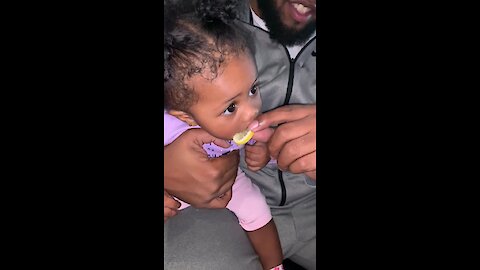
[[256, 156]]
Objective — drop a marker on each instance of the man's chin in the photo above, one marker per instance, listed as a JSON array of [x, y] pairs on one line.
[[281, 32], [291, 37]]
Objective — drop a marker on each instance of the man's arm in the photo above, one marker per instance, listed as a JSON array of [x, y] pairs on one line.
[[193, 177], [293, 142]]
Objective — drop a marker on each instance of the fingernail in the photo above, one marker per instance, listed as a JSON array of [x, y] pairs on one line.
[[253, 125]]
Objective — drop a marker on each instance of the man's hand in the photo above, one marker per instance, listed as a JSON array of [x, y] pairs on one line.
[[170, 206], [193, 177], [293, 142], [256, 156]]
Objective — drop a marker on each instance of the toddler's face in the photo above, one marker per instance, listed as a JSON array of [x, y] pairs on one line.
[[230, 102]]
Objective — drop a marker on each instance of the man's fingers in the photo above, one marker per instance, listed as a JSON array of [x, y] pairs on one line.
[[222, 200], [284, 114], [263, 135], [169, 201], [173, 204], [312, 175], [168, 213], [304, 164], [286, 133], [229, 160], [202, 137], [296, 149], [189, 174]]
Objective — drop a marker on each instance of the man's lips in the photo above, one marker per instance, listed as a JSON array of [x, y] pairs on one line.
[[310, 5], [301, 11]]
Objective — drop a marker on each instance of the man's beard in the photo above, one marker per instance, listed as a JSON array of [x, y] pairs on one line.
[[278, 31]]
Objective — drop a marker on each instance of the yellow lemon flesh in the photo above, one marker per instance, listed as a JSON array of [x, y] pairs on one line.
[[243, 137]]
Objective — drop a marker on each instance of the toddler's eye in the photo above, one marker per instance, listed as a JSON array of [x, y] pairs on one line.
[[230, 109], [253, 91]]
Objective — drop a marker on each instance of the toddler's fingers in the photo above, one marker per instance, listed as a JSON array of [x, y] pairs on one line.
[[254, 155], [256, 149], [253, 165], [254, 168]]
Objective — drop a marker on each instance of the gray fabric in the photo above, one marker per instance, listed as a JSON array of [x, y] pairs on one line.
[[212, 238], [273, 64], [306, 255], [296, 225], [209, 239]]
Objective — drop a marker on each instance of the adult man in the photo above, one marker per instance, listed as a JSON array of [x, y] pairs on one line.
[[285, 50]]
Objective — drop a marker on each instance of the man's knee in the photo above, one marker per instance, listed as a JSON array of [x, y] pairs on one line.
[[207, 239], [306, 256]]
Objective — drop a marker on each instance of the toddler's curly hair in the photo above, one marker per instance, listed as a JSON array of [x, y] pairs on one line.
[[199, 35]]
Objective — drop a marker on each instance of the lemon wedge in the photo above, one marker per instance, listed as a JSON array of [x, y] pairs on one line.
[[243, 137]]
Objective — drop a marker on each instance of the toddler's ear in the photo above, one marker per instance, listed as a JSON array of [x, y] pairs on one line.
[[185, 117]]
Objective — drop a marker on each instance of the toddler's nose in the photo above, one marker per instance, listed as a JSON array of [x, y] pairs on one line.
[[250, 114]]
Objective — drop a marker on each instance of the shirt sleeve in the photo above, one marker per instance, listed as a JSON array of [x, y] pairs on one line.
[[172, 128]]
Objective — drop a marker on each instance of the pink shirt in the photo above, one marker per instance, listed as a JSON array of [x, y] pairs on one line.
[[248, 202]]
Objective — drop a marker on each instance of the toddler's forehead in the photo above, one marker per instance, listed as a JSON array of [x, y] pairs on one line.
[[212, 71]]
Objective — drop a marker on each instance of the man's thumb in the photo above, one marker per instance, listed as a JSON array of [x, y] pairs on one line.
[[263, 135]]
